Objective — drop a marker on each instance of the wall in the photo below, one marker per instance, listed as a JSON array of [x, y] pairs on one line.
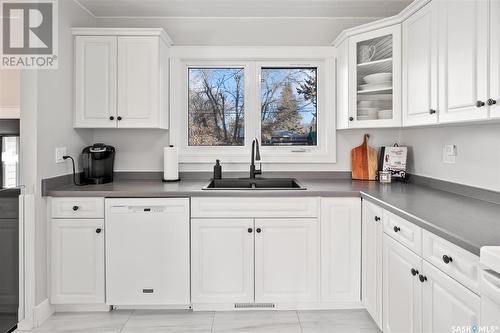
[[54, 114], [478, 158], [9, 93], [142, 150]]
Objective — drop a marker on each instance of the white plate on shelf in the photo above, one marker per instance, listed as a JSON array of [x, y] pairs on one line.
[[376, 86], [378, 78], [384, 114]]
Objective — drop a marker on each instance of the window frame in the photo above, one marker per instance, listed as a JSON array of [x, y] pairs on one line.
[[323, 152]]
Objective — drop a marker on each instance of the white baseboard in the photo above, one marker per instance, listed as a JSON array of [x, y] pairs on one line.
[[153, 307], [282, 306], [42, 312], [82, 308]]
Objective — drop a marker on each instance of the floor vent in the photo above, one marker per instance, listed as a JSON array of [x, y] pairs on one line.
[[253, 305]]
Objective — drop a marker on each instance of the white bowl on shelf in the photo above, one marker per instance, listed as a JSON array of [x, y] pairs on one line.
[[376, 86], [378, 78], [384, 114]]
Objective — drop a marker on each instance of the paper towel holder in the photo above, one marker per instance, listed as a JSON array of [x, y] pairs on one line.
[[171, 180]]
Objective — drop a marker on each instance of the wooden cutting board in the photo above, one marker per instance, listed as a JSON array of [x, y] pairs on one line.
[[364, 161]]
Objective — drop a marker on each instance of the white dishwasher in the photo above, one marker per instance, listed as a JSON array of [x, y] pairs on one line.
[[147, 251], [490, 287]]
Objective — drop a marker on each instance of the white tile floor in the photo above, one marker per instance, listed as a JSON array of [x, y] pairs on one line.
[[149, 321]]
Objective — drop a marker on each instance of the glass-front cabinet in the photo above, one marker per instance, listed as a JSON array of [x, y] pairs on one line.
[[375, 78]]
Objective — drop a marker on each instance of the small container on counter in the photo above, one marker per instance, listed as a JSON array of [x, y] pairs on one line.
[[384, 177], [217, 170]]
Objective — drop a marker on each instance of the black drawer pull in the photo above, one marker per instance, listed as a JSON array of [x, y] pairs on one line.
[[447, 259], [75, 208], [250, 230], [414, 272], [397, 229], [147, 209], [479, 104], [258, 230], [98, 230], [422, 278], [148, 291], [377, 218]]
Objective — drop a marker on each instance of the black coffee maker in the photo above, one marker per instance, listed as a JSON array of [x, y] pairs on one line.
[[98, 161]]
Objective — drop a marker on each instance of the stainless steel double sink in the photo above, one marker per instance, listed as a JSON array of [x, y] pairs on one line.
[[254, 184]]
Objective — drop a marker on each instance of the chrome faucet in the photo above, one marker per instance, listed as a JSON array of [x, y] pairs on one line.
[[255, 157]]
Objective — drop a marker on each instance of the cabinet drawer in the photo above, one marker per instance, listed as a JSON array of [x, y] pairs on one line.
[[403, 231], [254, 207], [458, 263], [78, 207]]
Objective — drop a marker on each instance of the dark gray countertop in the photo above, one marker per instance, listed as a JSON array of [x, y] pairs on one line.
[[464, 221]]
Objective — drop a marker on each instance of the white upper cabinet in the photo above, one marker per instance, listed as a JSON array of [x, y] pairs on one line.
[[463, 60], [420, 68], [95, 85], [494, 96], [121, 78], [375, 78], [342, 84]]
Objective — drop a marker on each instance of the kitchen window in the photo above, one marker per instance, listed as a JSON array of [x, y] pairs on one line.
[[219, 106]]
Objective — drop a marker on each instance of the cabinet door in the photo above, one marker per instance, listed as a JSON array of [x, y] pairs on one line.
[[77, 267], [371, 279], [95, 81], [9, 249], [402, 291], [139, 81], [463, 59], [446, 303], [340, 249], [286, 260], [342, 85], [222, 265], [420, 67], [375, 78], [495, 59]]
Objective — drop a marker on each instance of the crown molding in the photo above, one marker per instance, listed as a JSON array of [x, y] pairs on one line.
[[86, 31], [385, 22]]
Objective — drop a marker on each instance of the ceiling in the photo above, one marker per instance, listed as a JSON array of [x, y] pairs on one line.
[[244, 22]]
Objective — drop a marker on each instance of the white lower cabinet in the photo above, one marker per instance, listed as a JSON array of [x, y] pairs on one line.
[[371, 278], [77, 261], [286, 260], [341, 250], [402, 290], [222, 265], [446, 303]]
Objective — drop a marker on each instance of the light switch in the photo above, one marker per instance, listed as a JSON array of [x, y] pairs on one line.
[[60, 152], [449, 154]]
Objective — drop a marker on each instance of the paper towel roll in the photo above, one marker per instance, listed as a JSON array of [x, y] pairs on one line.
[[170, 163]]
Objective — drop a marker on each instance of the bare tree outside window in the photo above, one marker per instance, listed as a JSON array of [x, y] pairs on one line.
[[289, 106], [216, 107]]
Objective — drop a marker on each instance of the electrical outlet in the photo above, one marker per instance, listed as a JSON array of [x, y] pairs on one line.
[[60, 152], [449, 154]]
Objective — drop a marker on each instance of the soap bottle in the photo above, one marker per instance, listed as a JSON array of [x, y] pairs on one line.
[[217, 170]]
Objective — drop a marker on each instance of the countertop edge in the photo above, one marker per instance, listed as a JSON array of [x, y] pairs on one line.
[[445, 234]]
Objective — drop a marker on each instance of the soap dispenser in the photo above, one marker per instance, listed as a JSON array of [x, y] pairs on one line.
[[217, 170]]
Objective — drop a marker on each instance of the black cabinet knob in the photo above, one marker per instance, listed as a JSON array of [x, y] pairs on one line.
[[396, 229], [414, 272], [491, 101], [447, 259], [111, 118], [432, 111], [377, 218], [258, 230], [422, 278], [351, 118], [98, 230], [479, 104], [75, 208], [250, 230], [119, 118]]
